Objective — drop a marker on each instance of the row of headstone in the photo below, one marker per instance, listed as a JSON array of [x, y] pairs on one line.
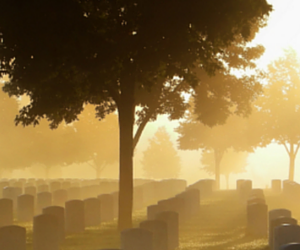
[[283, 230], [257, 214], [205, 186]]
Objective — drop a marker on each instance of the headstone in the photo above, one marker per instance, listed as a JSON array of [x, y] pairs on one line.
[[2, 185], [12, 238], [257, 219], [30, 190], [152, 211], [45, 232], [172, 220], [10, 193], [254, 200], [59, 213], [74, 193], [107, 207], [65, 185], [59, 197], [277, 222], [74, 216], [115, 196], [159, 229], [43, 199], [136, 239], [42, 188], [6, 215], [25, 208], [290, 246], [285, 234], [55, 185], [92, 212]]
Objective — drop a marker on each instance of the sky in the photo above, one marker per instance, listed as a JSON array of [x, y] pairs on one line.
[[282, 31]]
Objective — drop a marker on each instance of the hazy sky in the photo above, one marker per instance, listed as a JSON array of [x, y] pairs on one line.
[[282, 31]]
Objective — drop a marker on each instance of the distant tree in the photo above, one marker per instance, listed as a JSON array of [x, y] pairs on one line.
[[279, 107], [232, 162], [234, 134], [64, 54], [99, 140], [160, 160], [14, 141]]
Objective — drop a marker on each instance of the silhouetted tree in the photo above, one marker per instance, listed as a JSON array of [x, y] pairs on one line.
[[231, 162], [279, 106], [160, 160], [99, 140], [63, 54], [234, 134]]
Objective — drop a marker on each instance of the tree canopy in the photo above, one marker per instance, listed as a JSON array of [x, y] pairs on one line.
[[161, 160], [279, 106], [64, 54]]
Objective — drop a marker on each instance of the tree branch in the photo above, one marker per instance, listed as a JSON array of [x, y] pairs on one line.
[[286, 148]]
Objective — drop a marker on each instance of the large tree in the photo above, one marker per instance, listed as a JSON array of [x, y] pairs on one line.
[[279, 106], [161, 160], [63, 54], [232, 162]]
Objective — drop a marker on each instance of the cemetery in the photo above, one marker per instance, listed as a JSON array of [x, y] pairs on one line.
[[168, 215]]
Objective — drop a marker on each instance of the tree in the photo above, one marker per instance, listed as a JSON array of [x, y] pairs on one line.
[[99, 140], [232, 162], [234, 134], [160, 159], [279, 106], [64, 54]]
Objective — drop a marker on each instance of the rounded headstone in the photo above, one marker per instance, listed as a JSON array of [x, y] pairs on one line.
[[159, 229], [45, 232], [25, 207], [59, 213], [43, 199], [290, 246], [13, 238], [285, 234], [74, 216], [92, 212], [59, 197], [136, 239], [6, 215]]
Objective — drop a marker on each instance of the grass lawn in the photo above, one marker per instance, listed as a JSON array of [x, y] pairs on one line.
[[220, 224]]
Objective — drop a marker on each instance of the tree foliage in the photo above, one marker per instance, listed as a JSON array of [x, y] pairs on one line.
[[279, 106], [160, 160], [64, 54]]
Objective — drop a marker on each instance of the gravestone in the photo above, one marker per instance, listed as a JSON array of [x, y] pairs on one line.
[[11, 193], [254, 200], [92, 212], [74, 216], [290, 246], [59, 213], [172, 220], [74, 193], [42, 188], [277, 222], [43, 199], [257, 219], [115, 196], [65, 185], [152, 211], [25, 207], [285, 234], [12, 238], [6, 215], [45, 232], [159, 229], [59, 197], [30, 190], [54, 185], [107, 207], [136, 239], [2, 185]]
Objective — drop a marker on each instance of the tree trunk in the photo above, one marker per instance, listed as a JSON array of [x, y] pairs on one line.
[[126, 121], [227, 181], [292, 167], [218, 157]]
